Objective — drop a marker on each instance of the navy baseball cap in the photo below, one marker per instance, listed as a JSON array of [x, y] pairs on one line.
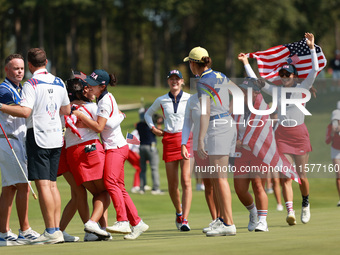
[[289, 68], [98, 77], [250, 83], [175, 72]]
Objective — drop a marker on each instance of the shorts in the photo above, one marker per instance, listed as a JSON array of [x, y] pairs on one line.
[[172, 146], [63, 166], [10, 170], [42, 163], [249, 166], [86, 166], [335, 154], [293, 140], [221, 138]]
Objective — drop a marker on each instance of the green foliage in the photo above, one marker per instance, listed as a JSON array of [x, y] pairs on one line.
[[143, 39]]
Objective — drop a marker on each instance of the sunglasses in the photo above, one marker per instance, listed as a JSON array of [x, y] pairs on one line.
[[284, 74]]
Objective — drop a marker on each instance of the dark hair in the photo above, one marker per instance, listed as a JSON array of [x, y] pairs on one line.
[[37, 57], [113, 80], [206, 62], [13, 56], [75, 88]]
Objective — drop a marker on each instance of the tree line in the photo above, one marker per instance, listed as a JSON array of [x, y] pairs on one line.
[[141, 40]]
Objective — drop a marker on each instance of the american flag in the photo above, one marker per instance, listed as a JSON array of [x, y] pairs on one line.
[[70, 122], [271, 60], [79, 75], [131, 139], [259, 137]]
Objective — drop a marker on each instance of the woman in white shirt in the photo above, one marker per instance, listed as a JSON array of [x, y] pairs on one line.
[[173, 107], [292, 136]]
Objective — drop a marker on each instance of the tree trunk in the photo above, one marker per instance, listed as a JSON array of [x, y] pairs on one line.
[[105, 55], [41, 29], [230, 70], [17, 25], [2, 47], [156, 58], [93, 56], [73, 43]]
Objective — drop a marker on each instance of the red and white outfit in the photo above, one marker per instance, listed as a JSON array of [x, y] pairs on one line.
[[85, 166], [293, 137], [116, 150], [173, 114], [247, 155]]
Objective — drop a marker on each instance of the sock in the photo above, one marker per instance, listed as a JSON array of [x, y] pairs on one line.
[[289, 206], [262, 215], [252, 208], [50, 230], [57, 229], [179, 214], [305, 201]]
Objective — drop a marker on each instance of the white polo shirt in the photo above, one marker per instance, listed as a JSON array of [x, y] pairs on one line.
[[173, 111], [112, 136], [90, 111], [45, 94]]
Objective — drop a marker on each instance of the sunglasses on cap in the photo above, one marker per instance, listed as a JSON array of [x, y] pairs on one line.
[[284, 73]]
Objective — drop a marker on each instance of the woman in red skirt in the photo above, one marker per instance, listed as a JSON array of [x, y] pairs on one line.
[[173, 107], [292, 137]]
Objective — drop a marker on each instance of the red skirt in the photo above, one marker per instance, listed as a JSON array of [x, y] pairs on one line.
[[172, 146], [63, 166], [293, 140], [86, 166]]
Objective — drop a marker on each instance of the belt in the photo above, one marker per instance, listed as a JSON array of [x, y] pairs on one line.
[[219, 116], [9, 136]]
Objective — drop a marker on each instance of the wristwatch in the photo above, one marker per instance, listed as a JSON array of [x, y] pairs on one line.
[[0, 105]]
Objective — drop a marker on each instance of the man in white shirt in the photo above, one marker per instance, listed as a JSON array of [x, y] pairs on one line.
[[44, 99]]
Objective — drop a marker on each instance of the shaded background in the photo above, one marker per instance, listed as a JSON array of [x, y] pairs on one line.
[[140, 40]]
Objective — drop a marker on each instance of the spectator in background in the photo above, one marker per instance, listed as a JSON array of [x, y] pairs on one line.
[[148, 153], [333, 136], [134, 160], [335, 69]]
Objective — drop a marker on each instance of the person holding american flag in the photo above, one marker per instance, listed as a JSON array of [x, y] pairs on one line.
[[291, 136]]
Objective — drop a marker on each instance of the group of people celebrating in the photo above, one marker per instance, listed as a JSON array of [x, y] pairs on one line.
[[190, 138], [86, 163], [191, 134]]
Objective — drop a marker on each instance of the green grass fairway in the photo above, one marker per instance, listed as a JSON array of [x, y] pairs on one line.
[[319, 236]]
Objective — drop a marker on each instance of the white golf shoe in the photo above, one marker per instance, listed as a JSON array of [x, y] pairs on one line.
[[223, 230], [137, 230], [120, 227], [262, 226], [291, 220], [305, 214], [252, 222]]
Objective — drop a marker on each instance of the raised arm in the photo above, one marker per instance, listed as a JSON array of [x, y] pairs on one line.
[[267, 88], [308, 82]]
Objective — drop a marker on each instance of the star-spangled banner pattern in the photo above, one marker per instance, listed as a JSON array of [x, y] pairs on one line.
[[271, 60]]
